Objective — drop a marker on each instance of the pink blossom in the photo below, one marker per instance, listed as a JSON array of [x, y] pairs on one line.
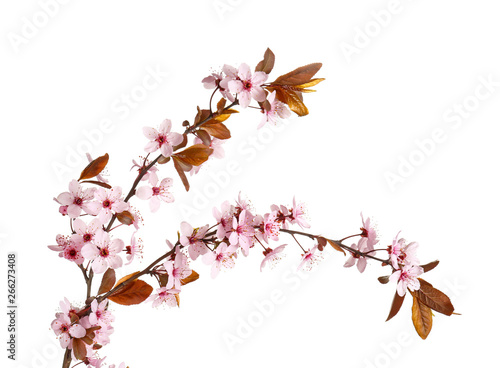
[[109, 202], [104, 252], [63, 328], [156, 193], [407, 277], [362, 246], [402, 254], [230, 74], [164, 296], [69, 248], [177, 270], [272, 256], [77, 199], [248, 86], [271, 226], [192, 238], [242, 233], [369, 232], [162, 138], [222, 256], [134, 249], [224, 219], [297, 215], [87, 232], [309, 259], [99, 313], [278, 110], [149, 175]]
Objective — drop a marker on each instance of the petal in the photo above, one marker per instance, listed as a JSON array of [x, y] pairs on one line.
[[154, 204], [244, 72], [175, 138], [186, 229], [150, 133], [116, 246], [244, 98], [259, 78], [166, 150], [151, 146], [99, 265], [65, 198], [165, 126], [235, 86], [79, 226], [144, 192], [115, 261], [74, 211], [74, 187], [77, 331], [89, 251], [258, 94]]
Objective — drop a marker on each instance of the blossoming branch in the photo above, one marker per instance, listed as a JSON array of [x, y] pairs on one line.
[[98, 244]]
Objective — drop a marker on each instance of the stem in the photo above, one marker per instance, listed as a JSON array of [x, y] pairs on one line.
[[89, 282], [67, 359]]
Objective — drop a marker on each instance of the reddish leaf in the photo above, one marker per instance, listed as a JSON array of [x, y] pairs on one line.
[[125, 278], [422, 318], [300, 75], [132, 293], [266, 65], [397, 302], [163, 160], [335, 246], [430, 266], [100, 183], [221, 104], [201, 115], [108, 280], [79, 349], [204, 136], [95, 167], [181, 173], [125, 218], [195, 155], [321, 242], [162, 280], [434, 298], [217, 130], [87, 340], [292, 99], [193, 277]]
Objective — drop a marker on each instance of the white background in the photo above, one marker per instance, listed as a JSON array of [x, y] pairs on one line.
[[68, 72]]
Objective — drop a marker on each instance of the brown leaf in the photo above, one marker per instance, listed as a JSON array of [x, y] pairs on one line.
[[194, 155], [204, 136], [221, 104], [383, 279], [397, 302], [100, 183], [108, 280], [422, 317], [163, 279], [125, 278], [266, 65], [193, 277], [125, 218], [321, 242], [163, 160], [134, 292], [430, 266], [292, 99], [217, 130], [177, 299], [434, 298], [87, 339], [79, 349], [335, 246], [201, 115], [181, 173], [300, 75], [95, 167]]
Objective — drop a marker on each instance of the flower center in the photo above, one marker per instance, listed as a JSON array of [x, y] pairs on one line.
[[78, 201], [156, 190], [106, 203], [72, 253], [247, 85], [87, 237], [104, 252], [161, 139]]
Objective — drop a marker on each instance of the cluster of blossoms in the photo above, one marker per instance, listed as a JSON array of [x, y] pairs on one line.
[[239, 82], [89, 328]]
